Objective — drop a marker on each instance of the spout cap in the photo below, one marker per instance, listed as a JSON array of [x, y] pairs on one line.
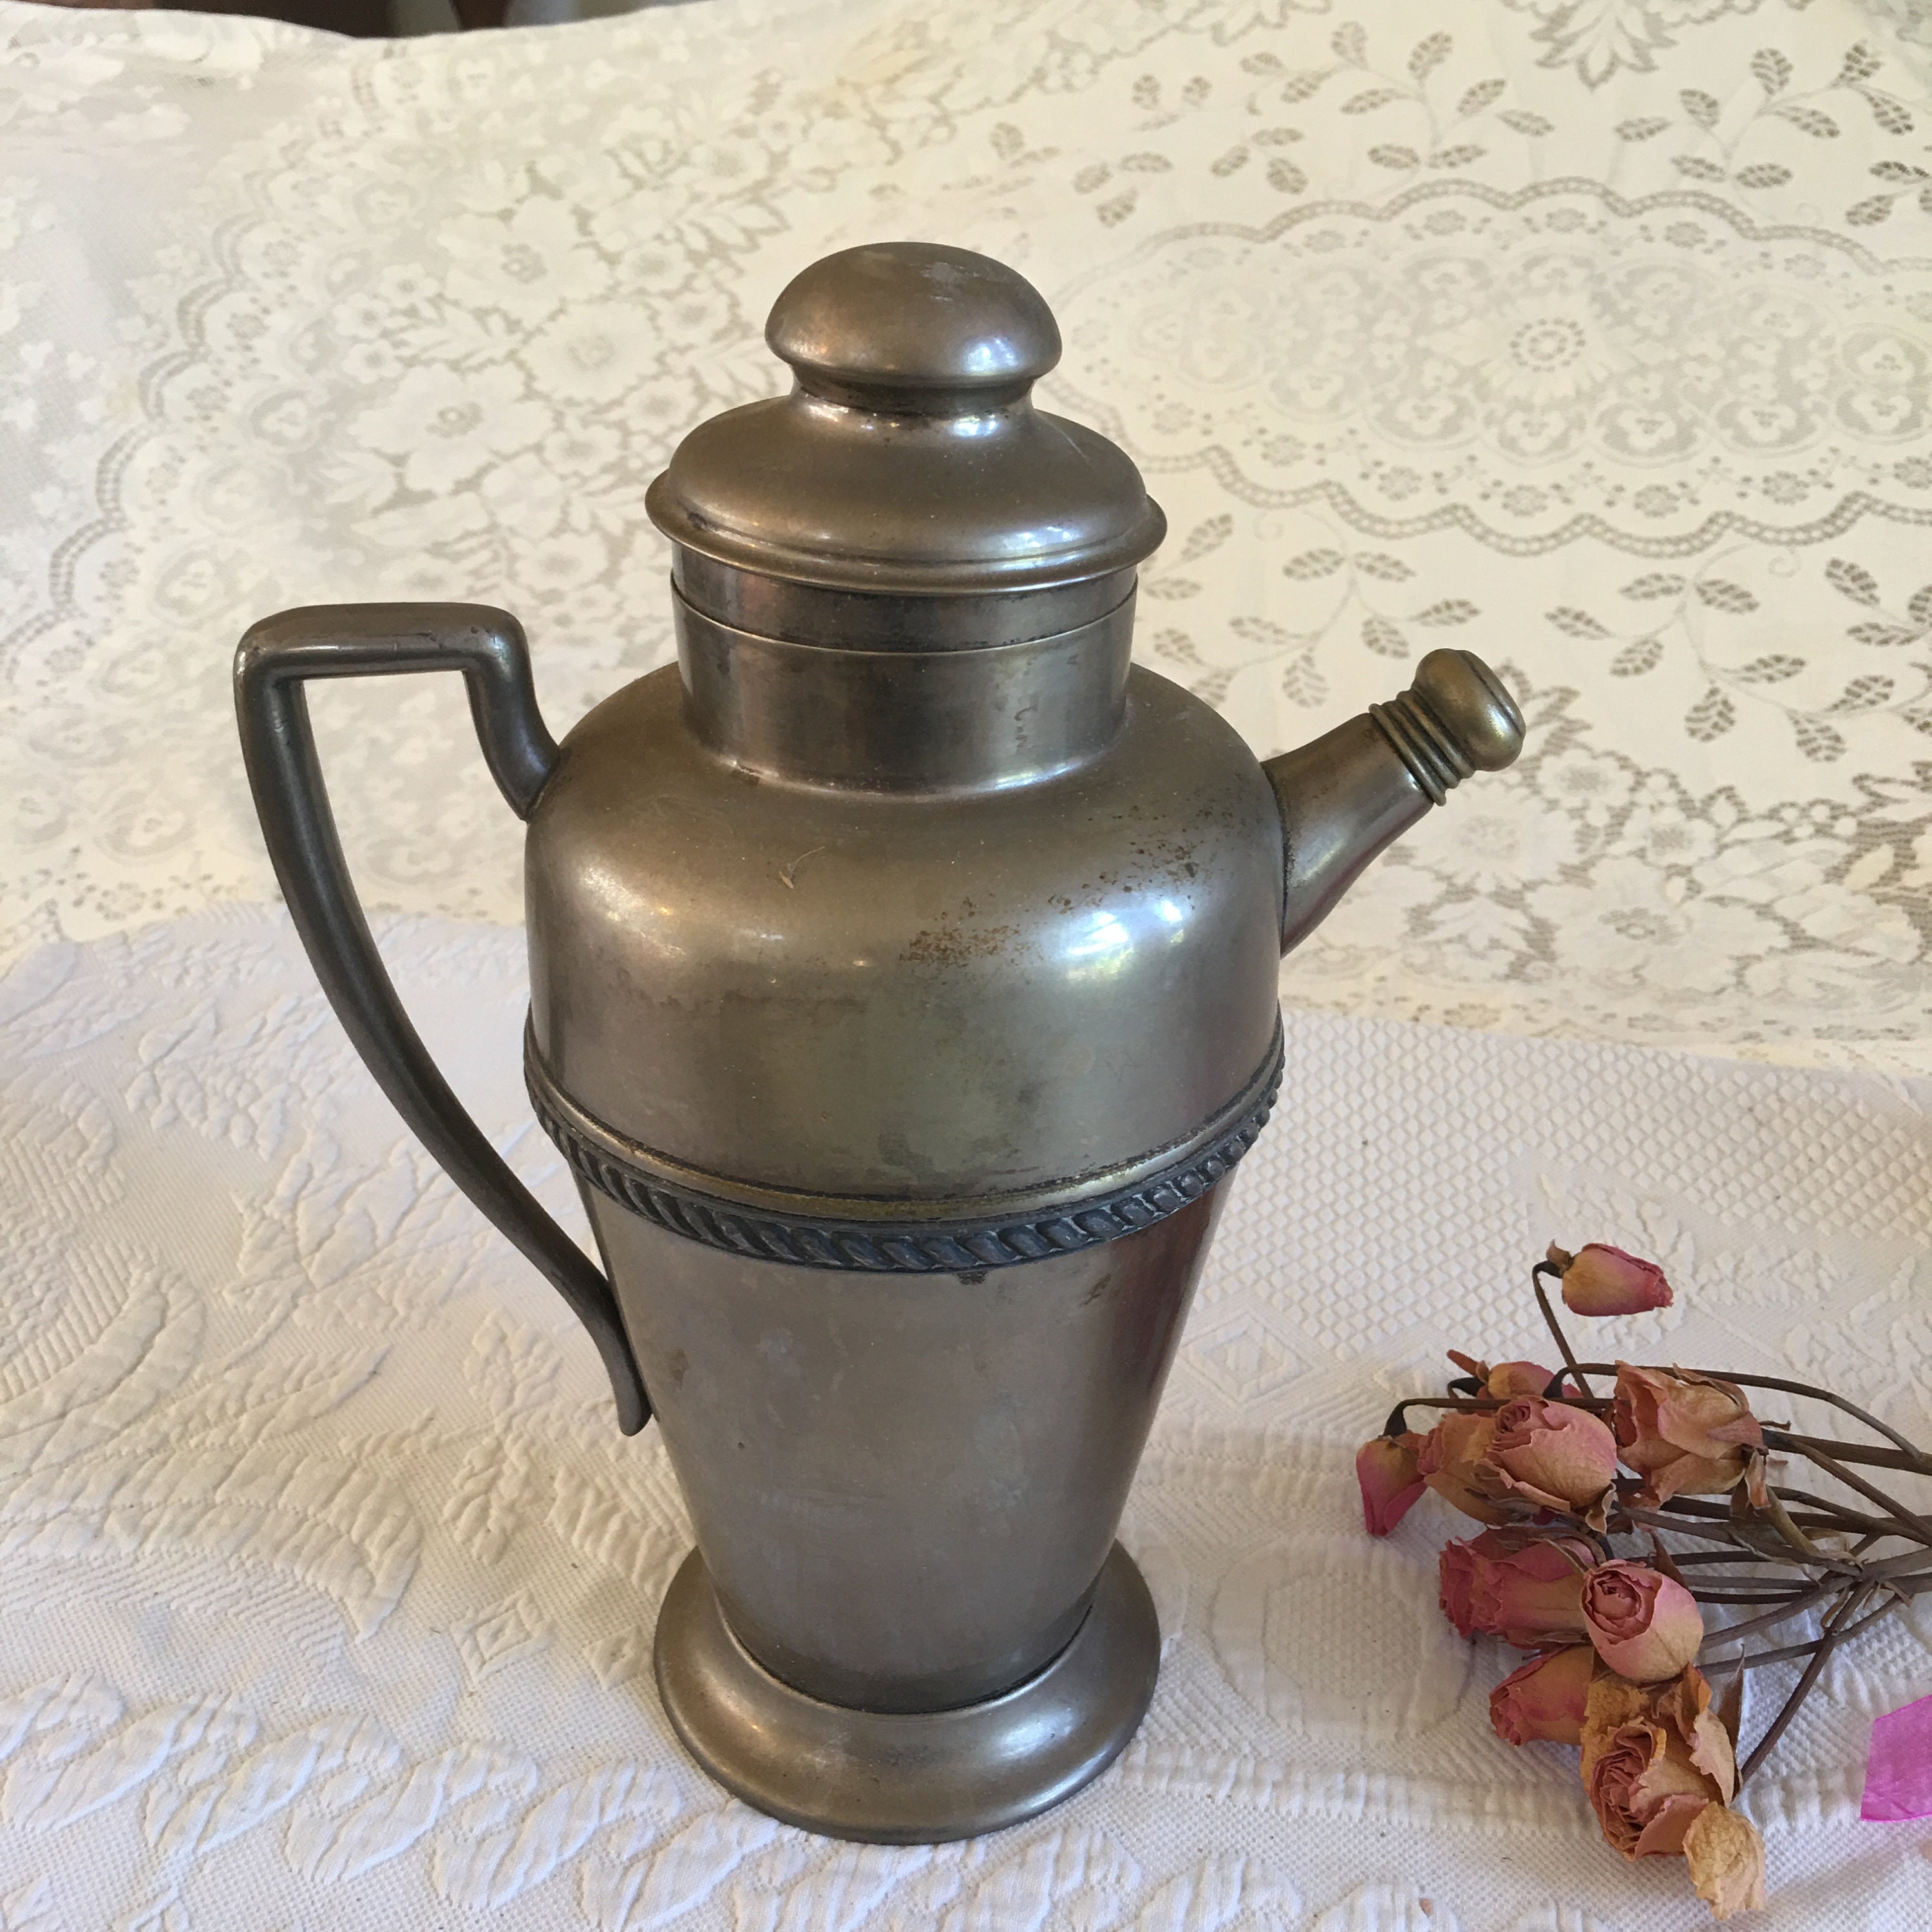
[[1458, 717]]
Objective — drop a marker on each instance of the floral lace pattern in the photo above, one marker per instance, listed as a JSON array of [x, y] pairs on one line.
[[1594, 337]]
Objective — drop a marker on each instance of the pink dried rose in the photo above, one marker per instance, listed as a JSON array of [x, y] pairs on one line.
[[1545, 1698], [1390, 1480], [1659, 1771], [1514, 1584], [1448, 1461], [1506, 1379], [1646, 1626], [1600, 1280], [1553, 1456], [1686, 1434]]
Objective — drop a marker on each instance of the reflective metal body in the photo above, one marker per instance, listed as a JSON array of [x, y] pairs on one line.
[[902, 990]]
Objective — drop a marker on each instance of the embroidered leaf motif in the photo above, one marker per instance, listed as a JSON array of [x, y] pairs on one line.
[[1206, 537], [1861, 694], [1372, 98], [1809, 121], [1351, 43], [1235, 158], [367, 1819], [1284, 176], [1817, 740], [1860, 63], [1883, 635], [1772, 668], [1172, 588], [1635, 658], [1762, 174], [1852, 581], [1117, 209], [1458, 156], [1176, 646], [1314, 563], [1919, 608], [1382, 638], [1377, 563], [1389, 157], [1899, 171], [1300, 86], [1302, 684], [1146, 164], [1711, 717], [627, 1893], [1428, 54], [1525, 124], [1479, 96], [1577, 623], [1893, 116], [1697, 169], [1772, 69], [1641, 129], [1722, 596], [1703, 108], [486, 1872], [1654, 583], [1868, 213], [1450, 610]]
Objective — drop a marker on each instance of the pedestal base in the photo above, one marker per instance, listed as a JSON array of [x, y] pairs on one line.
[[894, 1778]]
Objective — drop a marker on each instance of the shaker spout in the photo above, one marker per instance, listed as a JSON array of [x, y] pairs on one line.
[[1348, 795]]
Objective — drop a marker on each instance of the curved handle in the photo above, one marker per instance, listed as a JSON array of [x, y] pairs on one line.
[[272, 663]]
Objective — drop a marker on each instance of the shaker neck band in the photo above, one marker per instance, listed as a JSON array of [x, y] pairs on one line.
[[810, 613], [905, 720]]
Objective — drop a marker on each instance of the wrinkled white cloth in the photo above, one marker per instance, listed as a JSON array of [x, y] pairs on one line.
[[1598, 337], [1595, 336], [328, 1583]]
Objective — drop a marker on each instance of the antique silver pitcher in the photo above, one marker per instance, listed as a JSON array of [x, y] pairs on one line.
[[902, 990]]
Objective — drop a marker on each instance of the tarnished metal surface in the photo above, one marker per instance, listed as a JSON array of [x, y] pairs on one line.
[[903, 974]]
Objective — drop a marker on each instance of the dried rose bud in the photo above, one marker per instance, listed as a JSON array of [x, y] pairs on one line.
[[1646, 1626], [1447, 1460], [1600, 1280], [1654, 1761], [1553, 1456], [1506, 1379], [1385, 1468], [1545, 1698], [1683, 1434], [1515, 1585]]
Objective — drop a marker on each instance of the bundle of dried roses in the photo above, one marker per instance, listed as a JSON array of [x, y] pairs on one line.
[[1616, 1640]]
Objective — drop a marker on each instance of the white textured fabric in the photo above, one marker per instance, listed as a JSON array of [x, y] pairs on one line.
[[1597, 333], [329, 1582]]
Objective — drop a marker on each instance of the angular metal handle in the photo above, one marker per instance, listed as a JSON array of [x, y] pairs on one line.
[[272, 663]]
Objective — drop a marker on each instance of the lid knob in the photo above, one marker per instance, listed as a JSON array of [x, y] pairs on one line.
[[914, 328]]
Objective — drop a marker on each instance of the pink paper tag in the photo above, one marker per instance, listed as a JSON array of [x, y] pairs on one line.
[[1898, 1773]]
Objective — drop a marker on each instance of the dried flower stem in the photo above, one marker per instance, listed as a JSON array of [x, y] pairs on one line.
[[1555, 1327], [1834, 1633]]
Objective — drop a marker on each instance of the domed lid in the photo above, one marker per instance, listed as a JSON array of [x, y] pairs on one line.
[[908, 457]]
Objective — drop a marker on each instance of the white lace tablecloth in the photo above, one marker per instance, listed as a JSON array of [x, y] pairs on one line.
[[1596, 334]]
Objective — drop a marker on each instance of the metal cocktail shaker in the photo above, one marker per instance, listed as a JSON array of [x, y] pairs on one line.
[[903, 989]]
